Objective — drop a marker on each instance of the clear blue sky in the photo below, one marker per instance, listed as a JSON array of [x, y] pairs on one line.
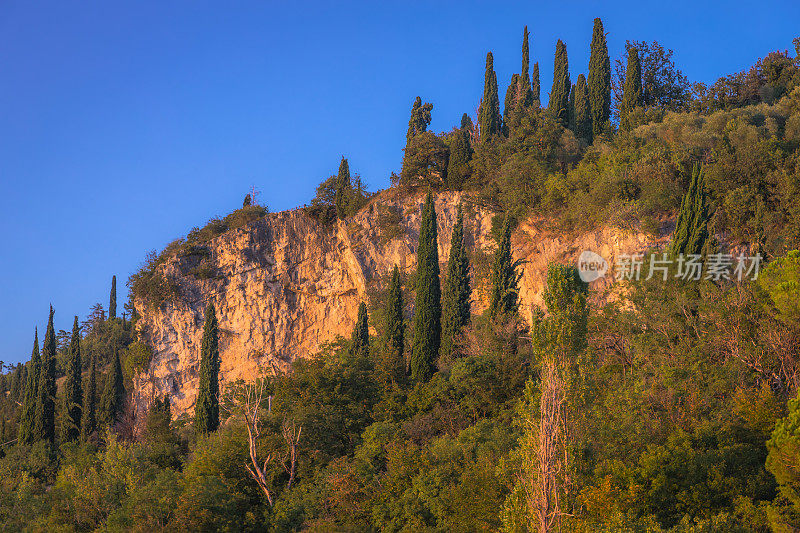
[[124, 124]]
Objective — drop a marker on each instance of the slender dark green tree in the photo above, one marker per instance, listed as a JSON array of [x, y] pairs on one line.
[[525, 91], [536, 86], [112, 304], [73, 391], [489, 119], [632, 90], [691, 229], [582, 115], [343, 186], [28, 411], [460, 154], [428, 307], [112, 402], [393, 361], [505, 278], [599, 80], [559, 94], [89, 414], [206, 411], [360, 341], [420, 118], [466, 123], [510, 106], [457, 292], [571, 108], [44, 427]]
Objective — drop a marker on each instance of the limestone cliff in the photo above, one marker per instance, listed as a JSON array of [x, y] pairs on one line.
[[285, 284]]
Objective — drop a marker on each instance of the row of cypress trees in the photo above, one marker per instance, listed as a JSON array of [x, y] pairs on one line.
[[79, 412]]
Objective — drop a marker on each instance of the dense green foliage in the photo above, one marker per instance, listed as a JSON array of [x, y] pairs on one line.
[[505, 277], [28, 409], [457, 292], [360, 338], [581, 110], [73, 390], [599, 79], [428, 307], [112, 402], [632, 90], [489, 118], [44, 418], [392, 362], [691, 229], [558, 105], [206, 407]]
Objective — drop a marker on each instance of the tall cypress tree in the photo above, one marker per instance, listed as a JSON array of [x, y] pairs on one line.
[[457, 291], [360, 341], [419, 120], [113, 400], [599, 79], [505, 278], [525, 92], [112, 304], [489, 112], [460, 154], [632, 90], [206, 410], [536, 86], [559, 94], [73, 392], [466, 123], [343, 186], [89, 414], [691, 229], [28, 412], [511, 103], [393, 362], [582, 115], [428, 307], [44, 427]]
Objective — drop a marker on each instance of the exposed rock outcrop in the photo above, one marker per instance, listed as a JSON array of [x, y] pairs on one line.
[[285, 284]]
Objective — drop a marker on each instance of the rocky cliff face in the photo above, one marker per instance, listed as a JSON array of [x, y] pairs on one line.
[[285, 284]]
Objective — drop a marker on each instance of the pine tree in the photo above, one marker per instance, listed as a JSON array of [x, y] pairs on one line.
[[536, 86], [489, 119], [457, 292], [112, 304], [89, 414], [510, 104], [691, 229], [505, 278], [113, 400], [28, 411], [428, 307], [559, 94], [44, 427], [360, 340], [599, 80], [393, 362], [632, 90], [343, 186], [73, 392], [525, 91], [206, 410], [582, 115], [419, 120]]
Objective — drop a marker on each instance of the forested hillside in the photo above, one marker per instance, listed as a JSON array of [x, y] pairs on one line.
[[660, 404]]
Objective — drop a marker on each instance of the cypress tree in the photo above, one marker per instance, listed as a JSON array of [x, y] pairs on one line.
[[393, 363], [343, 186], [511, 103], [28, 411], [457, 291], [571, 108], [112, 304], [632, 90], [458, 163], [44, 427], [691, 229], [525, 92], [559, 94], [360, 341], [419, 120], [113, 399], [89, 414], [428, 307], [466, 123], [489, 110], [206, 410], [73, 392], [599, 80], [536, 86], [505, 279], [581, 112]]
